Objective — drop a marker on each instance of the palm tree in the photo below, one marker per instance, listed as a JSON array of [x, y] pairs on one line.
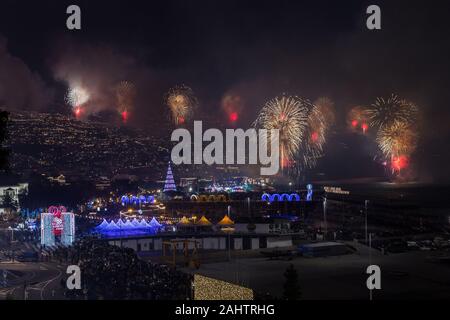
[[291, 288]]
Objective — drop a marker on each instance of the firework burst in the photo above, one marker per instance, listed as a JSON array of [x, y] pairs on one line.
[[125, 96], [326, 107], [397, 139], [232, 105], [288, 114], [77, 96], [320, 119], [385, 112], [181, 102], [397, 134], [357, 119]]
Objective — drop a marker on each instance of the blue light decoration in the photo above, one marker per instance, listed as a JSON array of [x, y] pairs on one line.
[[127, 228], [47, 234], [309, 188], [57, 222], [154, 223], [280, 197], [169, 183], [137, 200], [31, 214], [68, 233], [31, 224]]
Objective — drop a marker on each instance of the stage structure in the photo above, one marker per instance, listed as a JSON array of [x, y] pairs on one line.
[[57, 223], [288, 197], [137, 200], [280, 197]]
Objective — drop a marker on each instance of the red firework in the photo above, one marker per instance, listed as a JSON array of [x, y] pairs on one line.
[[125, 116], [399, 163], [77, 112], [233, 117], [364, 127]]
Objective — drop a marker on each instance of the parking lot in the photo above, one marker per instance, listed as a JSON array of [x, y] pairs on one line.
[[408, 275]]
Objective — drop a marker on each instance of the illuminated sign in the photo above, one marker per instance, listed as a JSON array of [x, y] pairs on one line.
[[57, 222], [336, 190]]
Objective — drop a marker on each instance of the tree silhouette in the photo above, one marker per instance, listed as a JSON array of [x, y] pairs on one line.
[[291, 288], [8, 202]]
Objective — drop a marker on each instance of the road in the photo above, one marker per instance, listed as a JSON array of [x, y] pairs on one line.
[[42, 279]]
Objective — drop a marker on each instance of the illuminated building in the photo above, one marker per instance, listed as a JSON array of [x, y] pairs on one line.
[[13, 191]]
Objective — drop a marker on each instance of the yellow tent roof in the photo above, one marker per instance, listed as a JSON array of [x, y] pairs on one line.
[[204, 222], [226, 221], [184, 221]]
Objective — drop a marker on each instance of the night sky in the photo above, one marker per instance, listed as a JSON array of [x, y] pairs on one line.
[[257, 49]]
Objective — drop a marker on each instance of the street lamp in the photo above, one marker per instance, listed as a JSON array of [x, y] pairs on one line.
[[366, 202], [229, 237], [325, 216]]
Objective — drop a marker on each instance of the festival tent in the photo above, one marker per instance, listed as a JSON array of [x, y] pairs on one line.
[[184, 222], [135, 222], [102, 225], [155, 223], [143, 224], [204, 222], [112, 226], [120, 223], [226, 221], [128, 224]]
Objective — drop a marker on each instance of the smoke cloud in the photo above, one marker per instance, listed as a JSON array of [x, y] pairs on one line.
[[99, 69], [21, 88]]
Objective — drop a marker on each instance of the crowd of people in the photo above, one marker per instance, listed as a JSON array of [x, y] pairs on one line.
[[111, 272]]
